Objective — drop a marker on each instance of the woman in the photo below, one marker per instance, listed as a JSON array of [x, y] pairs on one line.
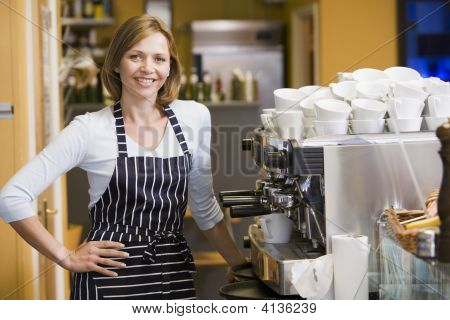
[[142, 155]]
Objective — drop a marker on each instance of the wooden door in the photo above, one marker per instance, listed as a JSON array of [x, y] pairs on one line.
[[8, 245], [23, 275]]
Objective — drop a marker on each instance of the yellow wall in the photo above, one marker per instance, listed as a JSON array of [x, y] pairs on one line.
[[356, 33]]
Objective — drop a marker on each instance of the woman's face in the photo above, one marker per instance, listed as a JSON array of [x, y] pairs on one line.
[[145, 67]]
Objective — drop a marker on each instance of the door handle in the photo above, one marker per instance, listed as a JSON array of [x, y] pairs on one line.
[[6, 110], [45, 212]]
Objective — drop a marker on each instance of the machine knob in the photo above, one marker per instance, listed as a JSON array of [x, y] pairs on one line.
[[247, 144], [246, 242], [283, 200], [275, 159]]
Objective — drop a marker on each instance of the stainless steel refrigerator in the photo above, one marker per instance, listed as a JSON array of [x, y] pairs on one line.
[[220, 46]]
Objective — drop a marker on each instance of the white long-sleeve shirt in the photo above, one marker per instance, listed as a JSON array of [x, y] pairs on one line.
[[90, 142]]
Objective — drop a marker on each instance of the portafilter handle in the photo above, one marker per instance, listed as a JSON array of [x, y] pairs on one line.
[[239, 193], [249, 211], [236, 201]]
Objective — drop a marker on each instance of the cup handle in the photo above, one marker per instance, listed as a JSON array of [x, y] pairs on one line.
[[263, 225]]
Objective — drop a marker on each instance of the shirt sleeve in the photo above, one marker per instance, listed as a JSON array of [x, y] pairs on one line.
[[66, 151], [202, 202]]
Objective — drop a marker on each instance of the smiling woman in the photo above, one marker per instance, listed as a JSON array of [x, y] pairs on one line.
[[139, 170]]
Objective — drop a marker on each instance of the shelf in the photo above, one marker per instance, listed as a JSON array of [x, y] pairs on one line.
[[231, 104], [87, 22]]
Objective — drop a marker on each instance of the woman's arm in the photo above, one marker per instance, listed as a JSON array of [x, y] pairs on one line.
[[220, 238], [63, 153], [202, 202], [86, 258]]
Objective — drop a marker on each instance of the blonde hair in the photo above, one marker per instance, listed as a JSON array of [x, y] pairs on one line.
[[126, 36]]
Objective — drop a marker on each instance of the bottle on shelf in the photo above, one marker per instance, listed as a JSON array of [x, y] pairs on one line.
[[237, 85], [193, 84], [207, 86], [248, 87], [183, 87], [255, 89], [88, 9], [200, 96], [107, 8], [99, 12], [218, 91], [78, 9], [92, 91]]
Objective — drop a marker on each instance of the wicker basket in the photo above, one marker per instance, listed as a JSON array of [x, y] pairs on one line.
[[406, 238]]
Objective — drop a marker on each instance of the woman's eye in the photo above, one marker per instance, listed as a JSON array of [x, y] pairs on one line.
[[160, 59], [134, 57]]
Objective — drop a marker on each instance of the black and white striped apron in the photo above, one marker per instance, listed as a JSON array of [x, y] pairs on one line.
[[143, 207]]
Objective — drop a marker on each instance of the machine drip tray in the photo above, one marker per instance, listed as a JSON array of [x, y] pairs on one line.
[[251, 290]]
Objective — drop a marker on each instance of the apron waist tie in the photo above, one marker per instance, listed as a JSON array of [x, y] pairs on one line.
[[150, 252]]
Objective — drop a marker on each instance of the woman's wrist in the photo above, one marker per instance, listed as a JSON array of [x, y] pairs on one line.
[[64, 258]]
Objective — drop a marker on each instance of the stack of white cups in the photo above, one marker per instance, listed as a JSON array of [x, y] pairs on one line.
[[288, 118], [332, 117], [406, 99], [365, 96], [368, 116], [313, 94], [438, 103]]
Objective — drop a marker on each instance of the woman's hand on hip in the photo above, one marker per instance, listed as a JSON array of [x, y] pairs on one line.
[[90, 254]]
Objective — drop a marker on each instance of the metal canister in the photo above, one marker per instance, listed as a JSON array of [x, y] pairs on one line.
[[426, 243]]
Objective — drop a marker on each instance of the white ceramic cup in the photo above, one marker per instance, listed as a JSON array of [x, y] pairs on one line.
[[289, 124], [323, 128], [438, 89], [332, 110], [405, 108], [372, 90], [439, 106], [267, 122], [407, 90], [367, 126], [402, 74], [344, 90], [309, 90], [368, 74], [288, 99], [322, 93], [276, 227], [368, 109], [404, 125], [434, 122]]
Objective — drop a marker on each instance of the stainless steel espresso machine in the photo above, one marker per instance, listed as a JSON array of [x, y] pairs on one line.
[[330, 185]]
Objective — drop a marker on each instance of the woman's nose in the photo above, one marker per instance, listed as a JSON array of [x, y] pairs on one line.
[[147, 66]]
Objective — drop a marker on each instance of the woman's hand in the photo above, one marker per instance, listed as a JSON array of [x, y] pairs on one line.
[[90, 254]]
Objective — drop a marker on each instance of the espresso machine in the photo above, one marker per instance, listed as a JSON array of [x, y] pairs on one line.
[[329, 185]]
